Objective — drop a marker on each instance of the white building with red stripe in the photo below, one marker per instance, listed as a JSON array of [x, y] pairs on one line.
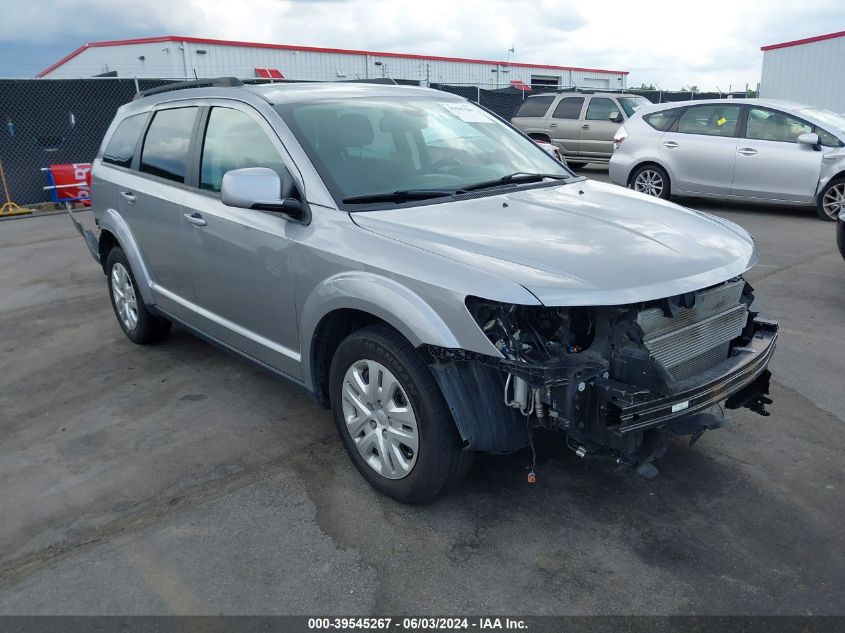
[[188, 57], [811, 71]]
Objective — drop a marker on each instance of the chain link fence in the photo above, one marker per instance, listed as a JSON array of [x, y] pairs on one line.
[[52, 121]]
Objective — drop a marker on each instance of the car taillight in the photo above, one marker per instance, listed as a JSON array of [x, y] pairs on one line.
[[621, 135]]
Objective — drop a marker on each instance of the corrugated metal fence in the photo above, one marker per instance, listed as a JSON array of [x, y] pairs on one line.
[[49, 121]]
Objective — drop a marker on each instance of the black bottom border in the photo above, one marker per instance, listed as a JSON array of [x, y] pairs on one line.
[[524, 624]]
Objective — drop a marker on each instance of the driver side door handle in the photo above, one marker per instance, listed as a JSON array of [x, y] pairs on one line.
[[196, 219]]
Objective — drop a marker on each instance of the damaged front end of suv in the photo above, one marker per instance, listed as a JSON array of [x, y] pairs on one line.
[[618, 381]]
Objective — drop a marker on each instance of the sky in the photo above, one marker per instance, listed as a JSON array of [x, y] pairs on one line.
[[671, 44]]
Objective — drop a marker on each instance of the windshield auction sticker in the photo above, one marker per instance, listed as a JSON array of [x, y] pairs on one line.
[[468, 112]]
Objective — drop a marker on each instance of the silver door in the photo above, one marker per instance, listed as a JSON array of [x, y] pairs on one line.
[[597, 130], [151, 204], [565, 125], [240, 258], [771, 164], [700, 155]]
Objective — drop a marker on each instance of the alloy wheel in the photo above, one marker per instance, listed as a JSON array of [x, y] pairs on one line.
[[380, 419], [125, 302], [834, 200], [649, 182]]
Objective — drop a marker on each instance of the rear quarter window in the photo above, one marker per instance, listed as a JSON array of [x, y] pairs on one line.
[[535, 107], [122, 144], [662, 120]]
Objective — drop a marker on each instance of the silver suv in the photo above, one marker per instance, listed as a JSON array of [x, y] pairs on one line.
[[427, 272], [581, 125]]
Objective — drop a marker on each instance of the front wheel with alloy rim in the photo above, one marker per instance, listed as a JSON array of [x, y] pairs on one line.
[[651, 180], [392, 418], [137, 322], [832, 200]]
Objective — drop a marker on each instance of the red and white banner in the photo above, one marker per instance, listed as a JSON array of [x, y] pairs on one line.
[[72, 181]]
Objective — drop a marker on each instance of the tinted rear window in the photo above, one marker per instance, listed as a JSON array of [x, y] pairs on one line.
[[568, 108], [165, 152], [661, 120], [121, 147], [535, 106]]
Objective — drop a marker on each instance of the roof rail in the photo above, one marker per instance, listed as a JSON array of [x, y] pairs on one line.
[[219, 82], [373, 80]]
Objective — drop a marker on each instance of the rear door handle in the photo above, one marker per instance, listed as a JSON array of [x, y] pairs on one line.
[[670, 144], [585, 127], [552, 124], [128, 195], [747, 151], [196, 219]]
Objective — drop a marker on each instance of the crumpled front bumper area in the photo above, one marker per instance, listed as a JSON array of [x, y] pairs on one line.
[[741, 380], [601, 417]]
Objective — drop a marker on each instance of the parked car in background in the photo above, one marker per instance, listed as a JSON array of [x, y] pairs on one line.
[[425, 271], [840, 233], [581, 125], [744, 149]]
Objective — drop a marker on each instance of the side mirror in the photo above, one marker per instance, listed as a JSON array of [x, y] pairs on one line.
[[258, 188], [811, 138], [615, 117]]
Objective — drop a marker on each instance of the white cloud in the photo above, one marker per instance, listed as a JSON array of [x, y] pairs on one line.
[[670, 43]]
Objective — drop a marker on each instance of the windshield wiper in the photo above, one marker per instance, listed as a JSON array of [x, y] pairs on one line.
[[516, 177], [399, 196]]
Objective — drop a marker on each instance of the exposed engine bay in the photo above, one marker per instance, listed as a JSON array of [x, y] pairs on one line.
[[617, 380]]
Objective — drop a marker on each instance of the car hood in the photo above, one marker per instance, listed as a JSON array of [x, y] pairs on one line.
[[582, 243]]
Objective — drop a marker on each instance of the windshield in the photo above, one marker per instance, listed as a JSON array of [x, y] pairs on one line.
[[365, 147], [828, 118], [632, 104]]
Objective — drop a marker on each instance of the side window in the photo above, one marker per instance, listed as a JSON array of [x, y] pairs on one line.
[[568, 108], [827, 139], [600, 109], [770, 125], [661, 120], [535, 106], [234, 140], [710, 120], [165, 152], [121, 147]]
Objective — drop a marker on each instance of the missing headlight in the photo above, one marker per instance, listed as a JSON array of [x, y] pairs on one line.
[[533, 334]]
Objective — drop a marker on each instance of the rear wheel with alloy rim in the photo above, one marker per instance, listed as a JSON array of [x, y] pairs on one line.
[[832, 200], [392, 418], [651, 180], [137, 322]]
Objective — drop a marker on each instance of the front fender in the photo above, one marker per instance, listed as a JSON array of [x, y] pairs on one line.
[[380, 296], [833, 166], [112, 222]]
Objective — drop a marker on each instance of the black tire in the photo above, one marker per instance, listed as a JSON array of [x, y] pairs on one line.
[[575, 165], [657, 171], [149, 327], [839, 184], [440, 460]]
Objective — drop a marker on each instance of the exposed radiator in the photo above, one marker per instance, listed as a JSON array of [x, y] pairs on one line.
[[696, 338]]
